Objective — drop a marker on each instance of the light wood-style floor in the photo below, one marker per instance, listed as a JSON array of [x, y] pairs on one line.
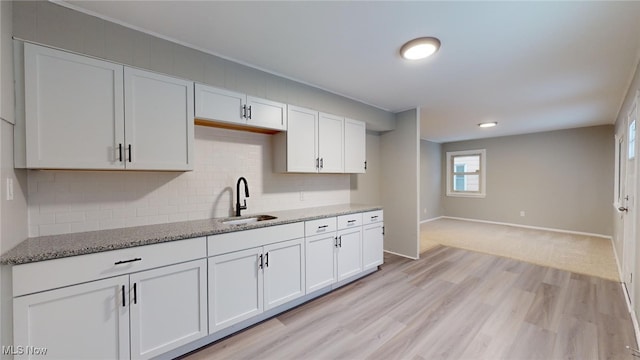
[[450, 304]]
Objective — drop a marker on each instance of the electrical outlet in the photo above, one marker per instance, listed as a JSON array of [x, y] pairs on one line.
[[9, 189], [522, 213], [301, 195]]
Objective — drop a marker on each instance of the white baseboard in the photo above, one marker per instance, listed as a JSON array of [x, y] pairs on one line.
[[432, 219], [402, 255], [634, 318], [530, 227]]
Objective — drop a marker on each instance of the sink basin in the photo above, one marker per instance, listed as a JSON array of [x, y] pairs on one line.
[[248, 220]]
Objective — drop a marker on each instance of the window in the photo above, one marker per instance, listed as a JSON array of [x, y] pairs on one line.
[[466, 173], [632, 140]]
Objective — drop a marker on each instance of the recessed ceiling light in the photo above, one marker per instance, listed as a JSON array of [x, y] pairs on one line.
[[420, 48], [488, 124]]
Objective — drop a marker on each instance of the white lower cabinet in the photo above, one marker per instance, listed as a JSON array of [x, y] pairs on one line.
[[168, 308], [349, 252], [86, 321], [372, 239], [154, 301], [284, 268], [235, 288], [243, 284], [321, 261]]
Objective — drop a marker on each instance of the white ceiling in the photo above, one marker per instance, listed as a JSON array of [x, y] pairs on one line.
[[531, 66]]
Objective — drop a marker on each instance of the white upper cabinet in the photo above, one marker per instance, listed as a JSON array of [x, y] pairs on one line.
[[331, 143], [159, 121], [73, 109], [313, 143], [220, 104], [354, 146], [301, 140], [231, 107], [77, 111]]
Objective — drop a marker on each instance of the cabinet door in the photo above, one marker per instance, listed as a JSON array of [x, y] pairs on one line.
[[283, 272], [331, 143], [219, 104], [168, 308], [354, 146], [372, 246], [158, 121], [235, 288], [86, 321], [302, 137], [349, 252], [266, 114], [74, 116], [321, 262]]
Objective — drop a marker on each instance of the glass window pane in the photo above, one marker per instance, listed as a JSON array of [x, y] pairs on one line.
[[470, 163], [469, 183]]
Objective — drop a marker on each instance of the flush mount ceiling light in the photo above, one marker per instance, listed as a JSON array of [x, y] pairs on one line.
[[488, 124], [420, 48]]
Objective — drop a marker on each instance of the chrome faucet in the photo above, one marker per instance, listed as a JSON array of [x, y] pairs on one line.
[[246, 194]]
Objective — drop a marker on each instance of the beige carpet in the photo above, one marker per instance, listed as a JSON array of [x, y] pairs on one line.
[[576, 253]]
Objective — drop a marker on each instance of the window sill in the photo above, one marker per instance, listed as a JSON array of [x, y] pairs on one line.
[[466, 195]]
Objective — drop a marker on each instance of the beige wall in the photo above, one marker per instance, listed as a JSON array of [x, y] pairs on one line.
[[561, 179], [400, 151], [430, 180]]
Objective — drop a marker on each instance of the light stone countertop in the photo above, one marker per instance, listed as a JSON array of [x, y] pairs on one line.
[[59, 246]]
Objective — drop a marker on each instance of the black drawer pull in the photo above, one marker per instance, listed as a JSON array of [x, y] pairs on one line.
[[351, 221], [323, 227], [374, 217], [127, 261]]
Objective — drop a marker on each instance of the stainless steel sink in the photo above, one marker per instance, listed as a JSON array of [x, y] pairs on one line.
[[248, 220]]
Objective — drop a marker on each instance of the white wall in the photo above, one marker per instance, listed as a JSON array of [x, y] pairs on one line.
[[400, 154]]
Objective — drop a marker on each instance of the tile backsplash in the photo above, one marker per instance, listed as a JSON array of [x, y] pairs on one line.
[[74, 201]]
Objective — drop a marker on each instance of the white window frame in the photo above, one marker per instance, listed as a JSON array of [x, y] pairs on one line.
[[482, 173]]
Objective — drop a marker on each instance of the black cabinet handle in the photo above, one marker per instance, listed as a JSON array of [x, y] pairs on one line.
[[383, 230], [351, 221], [123, 299], [126, 261], [321, 163], [130, 153], [374, 217], [244, 112], [120, 152], [261, 262], [340, 241], [266, 262], [249, 117], [317, 163], [323, 227], [365, 165], [135, 294], [336, 239]]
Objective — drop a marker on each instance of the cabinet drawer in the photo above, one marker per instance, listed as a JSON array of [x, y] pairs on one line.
[[371, 217], [348, 221], [241, 240], [320, 226], [50, 274]]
